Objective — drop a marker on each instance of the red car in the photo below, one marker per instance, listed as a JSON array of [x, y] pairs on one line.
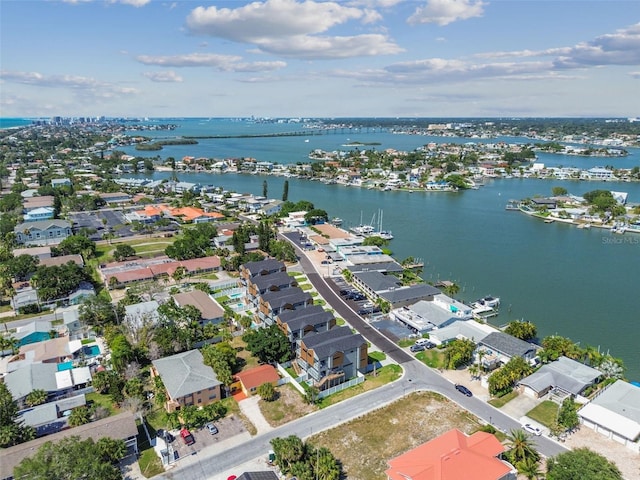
[[187, 437]]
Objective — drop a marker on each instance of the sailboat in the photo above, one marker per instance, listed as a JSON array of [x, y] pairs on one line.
[[384, 234]]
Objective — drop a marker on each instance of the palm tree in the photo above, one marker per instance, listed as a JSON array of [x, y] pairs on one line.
[[36, 397], [530, 469], [521, 449]]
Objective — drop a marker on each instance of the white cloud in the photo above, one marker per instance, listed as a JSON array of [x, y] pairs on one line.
[[635, 75], [168, 76], [226, 63], [189, 60], [310, 47], [444, 12], [292, 28]]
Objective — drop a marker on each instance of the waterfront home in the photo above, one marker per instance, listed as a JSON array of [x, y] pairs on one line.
[[295, 324], [548, 203], [210, 310], [272, 207], [426, 315], [187, 380], [249, 380], [43, 232], [498, 348], [461, 329], [389, 288], [597, 173], [333, 356], [564, 376], [454, 456], [615, 414], [119, 427]]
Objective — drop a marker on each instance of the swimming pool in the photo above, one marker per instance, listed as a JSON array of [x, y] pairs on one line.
[[236, 296], [65, 366], [91, 350]]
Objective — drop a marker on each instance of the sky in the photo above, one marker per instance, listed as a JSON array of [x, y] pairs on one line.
[[314, 58]]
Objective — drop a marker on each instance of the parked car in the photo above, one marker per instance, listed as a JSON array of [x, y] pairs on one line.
[[527, 427], [212, 428], [464, 390], [417, 348], [187, 437]]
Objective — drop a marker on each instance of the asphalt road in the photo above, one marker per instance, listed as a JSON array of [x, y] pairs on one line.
[[417, 376]]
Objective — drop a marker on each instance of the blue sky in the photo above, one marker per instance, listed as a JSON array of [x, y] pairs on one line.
[[387, 58]]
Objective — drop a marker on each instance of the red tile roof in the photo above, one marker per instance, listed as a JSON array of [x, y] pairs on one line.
[[256, 376], [451, 456]]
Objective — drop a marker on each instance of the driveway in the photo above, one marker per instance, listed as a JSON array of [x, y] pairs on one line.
[[251, 408]]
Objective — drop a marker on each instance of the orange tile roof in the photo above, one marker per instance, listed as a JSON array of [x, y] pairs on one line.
[[256, 376], [451, 456]]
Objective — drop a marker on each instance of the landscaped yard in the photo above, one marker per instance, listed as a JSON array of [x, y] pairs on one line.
[[101, 400], [545, 413], [380, 377], [377, 355], [502, 401], [365, 444], [247, 360]]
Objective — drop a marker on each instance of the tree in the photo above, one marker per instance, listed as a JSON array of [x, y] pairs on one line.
[[77, 245], [12, 431], [72, 458], [558, 191], [520, 447], [288, 451], [568, 414], [459, 352], [79, 416], [581, 463], [269, 344], [267, 392], [97, 311], [523, 330], [264, 189], [530, 469], [36, 397], [285, 191], [22, 266], [121, 352], [123, 251]]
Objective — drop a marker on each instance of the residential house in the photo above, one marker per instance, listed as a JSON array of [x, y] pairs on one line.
[[498, 348], [250, 380], [454, 456], [120, 427], [53, 350], [60, 182], [460, 329], [615, 414], [564, 376], [43, 232], [61, 260], [272, 304], [52, 417], [265, 475], [333, 356], [33, 203], [376, 285], [41, 213], [37, 252], [210, 310], [267, 266], [295, 324], [271, 208], [33, 332], [114, 198], [25, 295], [425, 315], [188, 380], [140, 314], [261, 284]]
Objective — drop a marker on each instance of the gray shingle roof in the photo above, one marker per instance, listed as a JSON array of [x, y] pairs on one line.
[[338, 339], [564, 373], [267, 475], [185, 373], [412, 293], [277, 279], [23, 381], [507, 344], [377, 281], [284, 297], [312, 315], [264, 266], [42, 225]]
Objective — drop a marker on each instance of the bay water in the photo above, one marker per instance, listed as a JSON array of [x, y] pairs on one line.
[[583, 284]]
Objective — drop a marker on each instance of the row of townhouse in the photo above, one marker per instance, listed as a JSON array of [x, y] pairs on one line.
[[327, 353]]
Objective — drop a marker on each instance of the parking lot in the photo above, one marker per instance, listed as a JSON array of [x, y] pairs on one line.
[[227, 428]]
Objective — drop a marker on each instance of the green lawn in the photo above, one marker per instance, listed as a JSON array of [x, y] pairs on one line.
[[149, 463], [377, 356], [434, 358], [502, 401], [305, 286], [102, 401], [340, 321], [545, 413]]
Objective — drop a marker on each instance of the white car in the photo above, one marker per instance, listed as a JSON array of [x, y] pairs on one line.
[[527, 427]]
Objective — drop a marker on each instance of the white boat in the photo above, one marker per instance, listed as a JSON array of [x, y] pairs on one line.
[[335, 221], [488, 301]]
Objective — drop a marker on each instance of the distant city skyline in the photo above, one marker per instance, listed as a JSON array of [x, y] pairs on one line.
[[295, 58]]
